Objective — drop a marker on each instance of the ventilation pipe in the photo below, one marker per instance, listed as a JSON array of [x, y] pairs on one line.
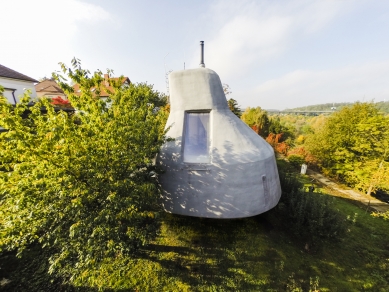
[[202, 54]]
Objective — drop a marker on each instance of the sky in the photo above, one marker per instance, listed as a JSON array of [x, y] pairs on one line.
[[276, 54]]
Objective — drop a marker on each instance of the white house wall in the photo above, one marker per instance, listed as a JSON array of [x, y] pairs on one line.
[[19, 85]]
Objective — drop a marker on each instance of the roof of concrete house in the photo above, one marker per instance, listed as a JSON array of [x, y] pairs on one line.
[[9, 73], [48, 85], [103, 93]]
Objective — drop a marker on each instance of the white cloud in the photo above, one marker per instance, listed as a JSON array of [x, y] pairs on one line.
[[36, 35], [363, 82], [243, 36]]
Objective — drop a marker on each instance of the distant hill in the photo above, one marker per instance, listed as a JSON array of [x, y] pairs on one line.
[[382, 106]]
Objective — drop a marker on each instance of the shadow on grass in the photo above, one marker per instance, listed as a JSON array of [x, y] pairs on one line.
[[209, 254], [260, 253], [382, 196], [251, 254], [30, 273]]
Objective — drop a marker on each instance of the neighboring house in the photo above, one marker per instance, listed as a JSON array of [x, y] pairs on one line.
[[103, 94], [50, 89], [15, 84]]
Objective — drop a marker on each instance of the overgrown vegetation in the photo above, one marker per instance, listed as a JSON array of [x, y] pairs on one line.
[[350, 145], [353, 146], [261, 253], [310, 216], [234, 107], [81, 185]]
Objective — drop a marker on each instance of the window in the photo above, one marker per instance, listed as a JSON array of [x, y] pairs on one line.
[[196, 137]]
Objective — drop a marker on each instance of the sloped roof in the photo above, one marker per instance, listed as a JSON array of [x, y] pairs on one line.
[[9, 73], [48, 85], [103, 93]]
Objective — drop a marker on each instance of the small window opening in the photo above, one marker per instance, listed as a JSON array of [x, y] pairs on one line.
[[196, 135], [265, 188]]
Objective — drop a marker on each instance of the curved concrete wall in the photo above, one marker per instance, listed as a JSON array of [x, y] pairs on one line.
[[240, 179]]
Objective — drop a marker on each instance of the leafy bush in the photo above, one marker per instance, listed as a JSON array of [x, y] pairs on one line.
[[313, 216], [288, 178], [82, 185], [296, 160], [308, 215]]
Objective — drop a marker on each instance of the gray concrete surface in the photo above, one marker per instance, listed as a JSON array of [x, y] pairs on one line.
[[237, 176]]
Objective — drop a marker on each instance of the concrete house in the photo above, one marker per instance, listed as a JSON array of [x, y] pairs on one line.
[[15, 84], [216, 167]]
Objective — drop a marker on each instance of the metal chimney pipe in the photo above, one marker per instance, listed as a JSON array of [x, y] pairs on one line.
[[202, 54]]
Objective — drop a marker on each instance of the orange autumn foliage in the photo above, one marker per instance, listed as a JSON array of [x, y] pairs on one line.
[[308, 157], [276, 141]]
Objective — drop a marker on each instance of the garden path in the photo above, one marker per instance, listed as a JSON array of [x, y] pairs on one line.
[[368, 201]]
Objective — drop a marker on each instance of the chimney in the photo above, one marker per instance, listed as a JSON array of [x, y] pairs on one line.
[[106, 80], [202, 54]]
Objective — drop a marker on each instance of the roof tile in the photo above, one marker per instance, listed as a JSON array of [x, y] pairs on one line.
[[9, 73]]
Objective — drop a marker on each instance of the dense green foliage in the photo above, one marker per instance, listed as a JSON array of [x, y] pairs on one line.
[[353, 145], [234, 107], [288, 178], [296, 160], [82, 185], [350, 145], [257, 119], [277, 134], [311, 216]]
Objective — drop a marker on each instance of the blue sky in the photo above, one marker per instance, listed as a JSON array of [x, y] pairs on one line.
[[273, 54]]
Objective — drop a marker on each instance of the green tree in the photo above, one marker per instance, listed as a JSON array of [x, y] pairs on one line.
[[353, 145], [232, 103], [83, 185], [234, 107], [257, 119]]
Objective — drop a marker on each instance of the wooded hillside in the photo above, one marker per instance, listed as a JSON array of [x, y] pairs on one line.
[[382, 106]]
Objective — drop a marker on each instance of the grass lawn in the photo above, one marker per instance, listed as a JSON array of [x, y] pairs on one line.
[[251, 254]]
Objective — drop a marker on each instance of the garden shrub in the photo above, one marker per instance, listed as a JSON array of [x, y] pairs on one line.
[[312, 216], [296, 160], [288, 178]]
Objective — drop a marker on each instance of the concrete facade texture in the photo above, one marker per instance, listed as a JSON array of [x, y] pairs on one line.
[[216, 166]]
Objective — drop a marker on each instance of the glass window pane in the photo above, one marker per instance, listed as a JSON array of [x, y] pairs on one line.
[[196, 137]]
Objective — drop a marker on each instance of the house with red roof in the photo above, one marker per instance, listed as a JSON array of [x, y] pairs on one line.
[[106, 86]]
